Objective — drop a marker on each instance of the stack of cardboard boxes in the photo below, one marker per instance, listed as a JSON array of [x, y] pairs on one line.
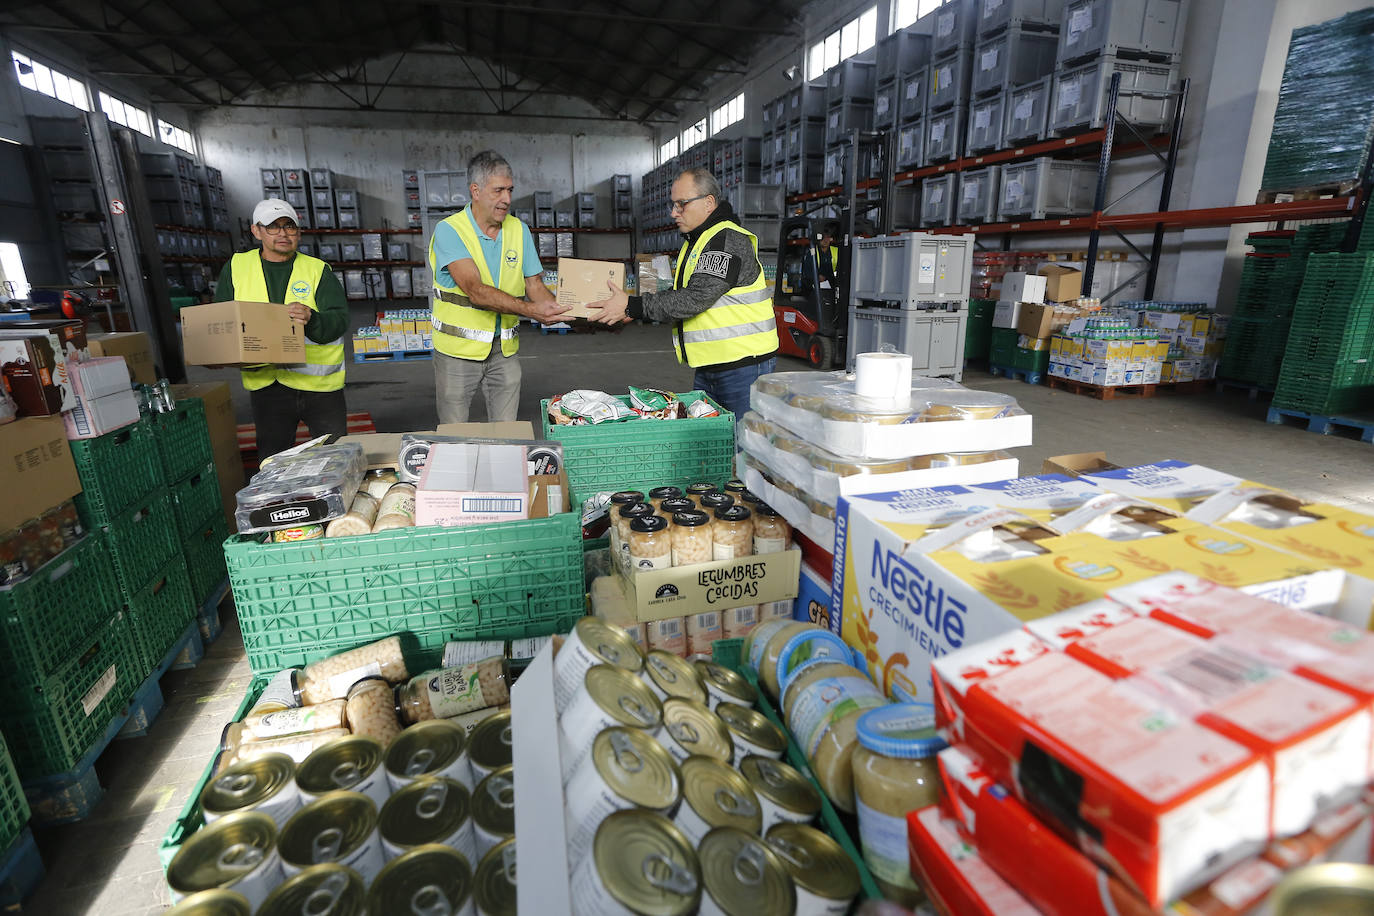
[[1196, 337], [1142, 343], [1031, 309], [396, 330]]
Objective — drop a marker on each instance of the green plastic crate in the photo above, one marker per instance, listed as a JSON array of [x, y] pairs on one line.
[[203, 549], [46, 618], [299, 602], [14, 807], [1002, 346], [642, 454], [160, 611], [1030, 360], [116, 470], [183, 439], [143, 538], [51, 726], [195, 499]]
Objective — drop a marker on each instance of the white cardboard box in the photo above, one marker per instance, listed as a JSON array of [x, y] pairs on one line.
[[541, 842], [470, 484], [98, 416], [96, 378], [1006, 313], [1023, 287]]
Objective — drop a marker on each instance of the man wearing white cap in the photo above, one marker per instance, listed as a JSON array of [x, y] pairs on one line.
[[285, 395]]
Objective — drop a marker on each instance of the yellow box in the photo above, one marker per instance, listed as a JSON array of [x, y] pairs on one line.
[[408, 326]]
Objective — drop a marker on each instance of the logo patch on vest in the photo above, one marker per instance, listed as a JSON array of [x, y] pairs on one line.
[[715, 263], [511, 257], [300, 288]]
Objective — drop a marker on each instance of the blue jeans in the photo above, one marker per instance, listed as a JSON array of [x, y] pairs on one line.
[[730, 387]]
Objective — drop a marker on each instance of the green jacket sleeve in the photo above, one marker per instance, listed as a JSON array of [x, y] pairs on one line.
[[224, 289], [331, 318]]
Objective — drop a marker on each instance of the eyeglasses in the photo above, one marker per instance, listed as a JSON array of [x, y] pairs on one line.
[[287, 229], [680, 205]]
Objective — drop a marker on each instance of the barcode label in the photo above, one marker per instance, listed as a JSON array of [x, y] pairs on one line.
[[668, 627], [99, 690], [492, 504], [745, 614], [1213, 676], [708, 621]]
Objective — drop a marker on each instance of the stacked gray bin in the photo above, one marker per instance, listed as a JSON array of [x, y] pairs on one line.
[[1015, 56], [938, 199], [910, 143], [902, 53], [1027, 112], [410, 191], [944, 134], [622, 202], [1140, 39], [986, 121], [800, 136], [948, 80], [1018, 42], [850, 87], [978, 190], [1045, 188]]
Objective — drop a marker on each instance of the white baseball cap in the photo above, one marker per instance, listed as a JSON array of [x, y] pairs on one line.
[[269, 211]]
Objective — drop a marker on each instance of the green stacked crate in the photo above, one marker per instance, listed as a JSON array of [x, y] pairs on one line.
[[1002, 346], [116, 469], [183, 439], [1030, 360], [183, 443], [14, 807], [160, 611], [1328, 365], [203, 549], [978, 336]]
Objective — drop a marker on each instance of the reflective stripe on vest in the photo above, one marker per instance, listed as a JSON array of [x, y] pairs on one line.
[[323, 369], [460, 329], [738, 325]]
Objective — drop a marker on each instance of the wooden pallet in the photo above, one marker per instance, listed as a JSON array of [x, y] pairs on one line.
[[1314, 192], [1113, 393]]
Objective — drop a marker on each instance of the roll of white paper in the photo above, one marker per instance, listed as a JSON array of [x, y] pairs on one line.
[[884, 377]]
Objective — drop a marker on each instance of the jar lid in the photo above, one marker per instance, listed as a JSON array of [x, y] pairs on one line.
[[717, 500], [665, 492], [750, 497], [736, 487], [766, 510], [649, 523], [733, 514], [677, 504], [903, 730], [700, 489], [636, 510], [810, 647], [690, 519], [627, 498]]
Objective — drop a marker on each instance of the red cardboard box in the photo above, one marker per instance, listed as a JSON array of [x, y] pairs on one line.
[[953, 875]]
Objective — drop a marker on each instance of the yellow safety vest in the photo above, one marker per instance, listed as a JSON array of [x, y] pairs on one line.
[[738, 325], [834, 260], [323, 369], [460, 329]]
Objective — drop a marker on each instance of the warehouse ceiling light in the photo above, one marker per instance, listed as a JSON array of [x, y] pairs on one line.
[[790, 73]]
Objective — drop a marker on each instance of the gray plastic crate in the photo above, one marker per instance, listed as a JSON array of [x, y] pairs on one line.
[[945, 134], [948, 80], [1027, 112], [784, 101], [955, 23], [911, 96], [910, 141], [1043, 188], [543, 200], [978, 191], [938, 199], [906, 207], [902, 52], [321, 197], [295, 178], [805, 138], [885, 105], [850, 79], [912, 267], [621, 183], [1079, 94], [805, 101], [998, 14], [757, 199], [445, 189], [1013, 58], [296, 197], [765, 230], [845, 117], [1133, 28], [271, 178], [321, 178], [803, 174], [934, 339], [986, 121]]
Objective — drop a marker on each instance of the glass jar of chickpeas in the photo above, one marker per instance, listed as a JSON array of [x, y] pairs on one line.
[[670, 507], [658, 494], [710, 502], [771, 531], [697, 490], [732, 533], [691, 538], [650, 544], [623, 517]]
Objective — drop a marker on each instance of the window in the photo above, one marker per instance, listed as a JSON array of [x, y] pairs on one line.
[[854, 37], [727, 114], [125, 114], [905, 12], [171, 134], [668, 150], [694, 134], [50, 82]]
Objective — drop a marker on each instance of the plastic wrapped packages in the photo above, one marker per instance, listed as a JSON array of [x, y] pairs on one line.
[[582, 408], [309, 488]]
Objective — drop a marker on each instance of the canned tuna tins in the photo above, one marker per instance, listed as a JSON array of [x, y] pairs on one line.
[[626, 768], [724, 685], [670, 676], [610, 696], [713, 795], [638, 863], [751, 732], [690, 728], [212, 903], [784, 794], [438, 747], [354, 764], [339, 827], [489, 745], [826, 879], [429, 881], [591, 642], [238, 852], [494, 884], [429, 810], [742, 876], [266, 784], [329, 889], [493, 810]]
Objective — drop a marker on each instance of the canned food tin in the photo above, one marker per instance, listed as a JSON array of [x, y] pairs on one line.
[[626, 768], [278, 722], [427, 881], [494, 883], [339, 827], [591, 642], [238, 852], [785, 795], [429, 810], [493, 810], [353, 764], [639, 863], [265, 784], [670, 676], [329, 888], [724, 685], [1333, 888], [489, 745], [690, 728], [212, 903], [827, 880], [438, 747], [610, 696], [300, 533], [742, 876], [752, 732], [713, 795]]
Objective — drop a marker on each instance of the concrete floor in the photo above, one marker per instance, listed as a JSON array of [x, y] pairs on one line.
[[109, 864]]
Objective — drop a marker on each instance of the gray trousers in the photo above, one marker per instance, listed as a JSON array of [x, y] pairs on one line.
[[457, 380]]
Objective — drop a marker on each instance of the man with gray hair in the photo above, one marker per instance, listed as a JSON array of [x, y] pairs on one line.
[[486, 275], [721, 306]]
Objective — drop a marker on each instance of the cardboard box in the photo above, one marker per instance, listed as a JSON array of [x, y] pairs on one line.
[[1078, 464], [224, 439], [241, 334], [136, 349], [1062, 283], [97, 416], [472, 484], [1036, 321], [1006, 314], [36, 469], [35, 375], [661, 594], [1023, 287], [582, 281], [66, 334], [413, 342], [952, 873]]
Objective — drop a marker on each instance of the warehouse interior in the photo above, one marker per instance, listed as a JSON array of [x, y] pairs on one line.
[[139, 135]]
